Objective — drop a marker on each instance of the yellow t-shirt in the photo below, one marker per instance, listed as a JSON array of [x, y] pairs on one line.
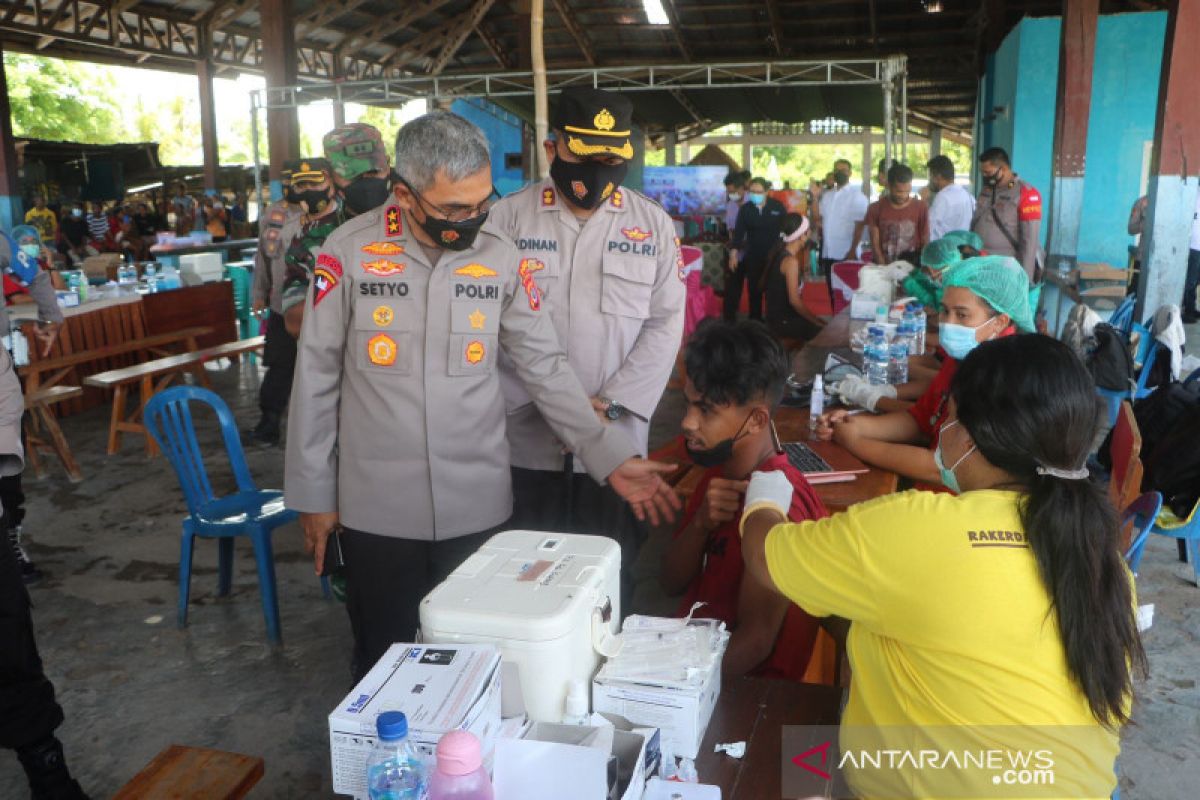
[[45, 222], [952, 627]]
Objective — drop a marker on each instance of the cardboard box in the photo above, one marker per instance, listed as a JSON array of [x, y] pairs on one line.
[[439, 687], [554, 761]]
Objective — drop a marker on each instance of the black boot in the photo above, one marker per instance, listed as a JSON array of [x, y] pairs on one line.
[[47, 771], [267, 430], [29, 573]]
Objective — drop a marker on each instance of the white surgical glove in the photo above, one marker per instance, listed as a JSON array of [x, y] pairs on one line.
[[899, 270], [855, 389], [767, 490]]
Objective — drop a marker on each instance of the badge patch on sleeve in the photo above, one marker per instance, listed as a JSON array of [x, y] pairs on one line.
[[325, 277], [1029, 207], [381, 350], [525, 272]]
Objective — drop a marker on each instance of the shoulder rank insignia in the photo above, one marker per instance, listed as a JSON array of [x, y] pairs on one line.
[[547, 196], [618, 199], [476, 271], [392, 226]]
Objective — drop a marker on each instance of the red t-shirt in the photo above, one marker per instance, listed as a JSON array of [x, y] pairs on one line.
[[901, 230], [719, 583]]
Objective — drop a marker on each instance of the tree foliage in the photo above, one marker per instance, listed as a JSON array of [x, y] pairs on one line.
[[62, 100]]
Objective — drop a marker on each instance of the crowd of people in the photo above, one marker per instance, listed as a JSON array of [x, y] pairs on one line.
[[450, 364], [75, 229]]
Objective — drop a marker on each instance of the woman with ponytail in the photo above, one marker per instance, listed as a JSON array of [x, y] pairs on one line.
[[787, 315], [1003, 617]]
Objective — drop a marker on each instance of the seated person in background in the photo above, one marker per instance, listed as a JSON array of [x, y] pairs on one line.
[[787, 315], [1003, 617], [73, 231], [735, 380], [983, 298]]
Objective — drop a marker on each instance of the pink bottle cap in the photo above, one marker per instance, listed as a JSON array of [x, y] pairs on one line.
[[458, 753]]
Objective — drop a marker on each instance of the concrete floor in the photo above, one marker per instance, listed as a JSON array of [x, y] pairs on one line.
[[132, 683]]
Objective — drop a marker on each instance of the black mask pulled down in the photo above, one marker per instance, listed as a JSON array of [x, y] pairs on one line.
[[587, 184], [719, 453]]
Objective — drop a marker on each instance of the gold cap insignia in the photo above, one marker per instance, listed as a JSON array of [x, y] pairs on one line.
[[604, 121]]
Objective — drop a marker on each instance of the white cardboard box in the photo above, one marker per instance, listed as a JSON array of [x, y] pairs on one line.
[[552, 762], [439, 687], [680, 711]]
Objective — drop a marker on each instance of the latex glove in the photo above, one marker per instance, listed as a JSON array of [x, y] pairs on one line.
[[856, 390], [770, 490], [899, 270]]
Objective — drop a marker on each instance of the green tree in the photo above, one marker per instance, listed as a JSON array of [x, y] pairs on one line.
[[62, 100]]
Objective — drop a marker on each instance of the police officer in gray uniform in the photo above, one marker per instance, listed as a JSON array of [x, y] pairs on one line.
[[396, 427], [608, 263], [29, 714], [1008, 214], [277, 227]]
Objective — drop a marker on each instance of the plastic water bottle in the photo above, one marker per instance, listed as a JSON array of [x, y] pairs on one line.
[[898, 361], [875, 357], [460, 774], [881, 314], [393, 770], [920, 322], [816, 405]]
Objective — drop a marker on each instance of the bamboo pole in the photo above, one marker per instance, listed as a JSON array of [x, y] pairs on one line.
[[540, 103]]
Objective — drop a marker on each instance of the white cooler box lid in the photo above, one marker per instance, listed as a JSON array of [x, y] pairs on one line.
[[523, 585]]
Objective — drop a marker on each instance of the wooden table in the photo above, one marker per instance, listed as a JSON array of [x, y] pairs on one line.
[[754, 711], [195, 773]]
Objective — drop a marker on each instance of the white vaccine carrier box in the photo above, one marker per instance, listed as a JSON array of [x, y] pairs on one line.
[[549, 601]]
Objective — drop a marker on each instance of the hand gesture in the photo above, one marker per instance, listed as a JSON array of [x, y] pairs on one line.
[[317, 528], [46, 335], [721, 502], [827, 422], [639, 481]]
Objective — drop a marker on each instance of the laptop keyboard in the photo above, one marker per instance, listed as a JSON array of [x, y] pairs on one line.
[[804, 459]]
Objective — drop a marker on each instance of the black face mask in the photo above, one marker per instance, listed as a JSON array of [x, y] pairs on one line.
[[453, 235], [841, 178], [314, 200], [992, 180], [719, 453], [365, 193], [587, 184], [291, 195]]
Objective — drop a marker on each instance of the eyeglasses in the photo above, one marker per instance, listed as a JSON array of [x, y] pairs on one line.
[[457, 213]]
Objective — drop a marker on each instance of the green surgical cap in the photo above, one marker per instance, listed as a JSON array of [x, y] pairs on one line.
[[999, 281], [940, 254], [964, 237], [919, 287]]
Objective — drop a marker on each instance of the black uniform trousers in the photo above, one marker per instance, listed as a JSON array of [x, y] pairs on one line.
[[387, 578], [750, 273], [28, 710], [279, 356], [543, 500]]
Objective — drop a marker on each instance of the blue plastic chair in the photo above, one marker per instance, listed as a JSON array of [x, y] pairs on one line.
[[1122, 316], [1186, 531], [1143, 362], [1143, 513], [249, 511]]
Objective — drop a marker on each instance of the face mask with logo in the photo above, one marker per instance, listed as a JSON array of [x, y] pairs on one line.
[[948, 478], [453, 235], [719, 453], [587, 184], [758, 198], [959, 340], [314, 201], [366, 193]]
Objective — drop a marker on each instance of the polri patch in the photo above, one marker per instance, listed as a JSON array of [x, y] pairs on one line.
[[475, 352], [381, 350], [326, 276]]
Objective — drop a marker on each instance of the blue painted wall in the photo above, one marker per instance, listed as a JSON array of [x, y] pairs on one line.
[[1023, 76], [504, 136]]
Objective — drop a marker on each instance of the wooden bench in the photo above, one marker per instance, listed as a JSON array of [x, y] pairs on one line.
[[41, 416], [153, 377], [192, 773]]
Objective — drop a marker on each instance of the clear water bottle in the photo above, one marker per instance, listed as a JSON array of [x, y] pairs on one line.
[[898, 361], [875, 357], [816, 405], [920, 323], [459, 774], [394, 771]]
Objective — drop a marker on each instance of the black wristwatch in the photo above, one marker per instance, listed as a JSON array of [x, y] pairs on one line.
[[614, 410]]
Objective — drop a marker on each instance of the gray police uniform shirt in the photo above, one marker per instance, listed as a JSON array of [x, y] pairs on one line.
[[615, 290], [12, 401], [396, 418], [281, 223], [1019, 208]]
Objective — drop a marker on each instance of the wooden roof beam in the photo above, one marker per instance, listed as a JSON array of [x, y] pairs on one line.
[[324, 13], [573, 27], [494, 46], [455, 40], [776, 26], [375, 31], [673, 18], [421, 45]]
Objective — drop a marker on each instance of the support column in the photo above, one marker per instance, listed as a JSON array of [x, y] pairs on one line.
[[687, 153], [208, 125], [747, 153], [279, 64], [868, 161], [12, 211], [670, 139], [339, 108], [1076, 54], [935, 141], [1175, 166]]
